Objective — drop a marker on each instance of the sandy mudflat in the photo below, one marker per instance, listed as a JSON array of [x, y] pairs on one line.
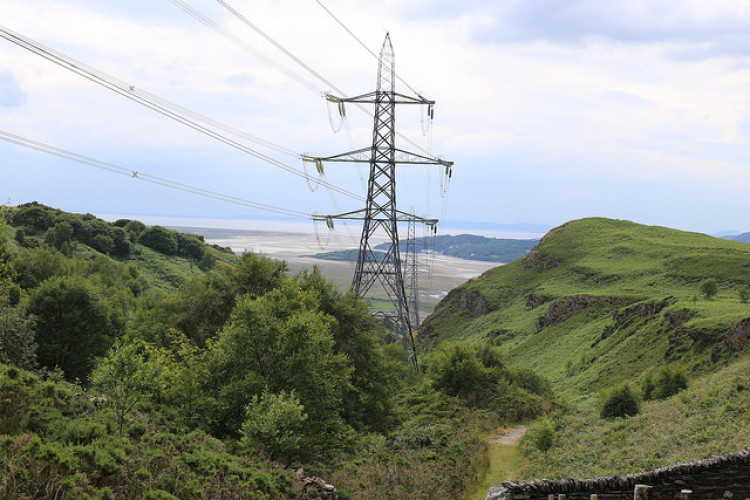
[[294, 248]]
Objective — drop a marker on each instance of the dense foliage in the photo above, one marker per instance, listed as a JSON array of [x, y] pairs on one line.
[[215, 375]]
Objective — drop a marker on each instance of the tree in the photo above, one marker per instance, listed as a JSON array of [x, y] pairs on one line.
[[471, 371], [367, 401], [709, 287], [73, 325], [134, 228], [620, 402], [256, 274], [160, 239], [17, 343], [275, 424], [190, 246], [126, 376], [62, 233], [544, 436], [183, 371], [121, 241], [102, 243], [278, 342], [204, 306]]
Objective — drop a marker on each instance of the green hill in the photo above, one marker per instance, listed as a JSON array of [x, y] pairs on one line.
[[602, 301]]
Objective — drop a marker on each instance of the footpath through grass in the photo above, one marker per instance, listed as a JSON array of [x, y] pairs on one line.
[[504, 460]]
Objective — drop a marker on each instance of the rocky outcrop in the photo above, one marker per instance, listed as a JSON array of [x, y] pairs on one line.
[[642, 310], [538, 260], [534, 300], [678, 318], [726, 476], [566, 307], [468, 300], [738, 337]]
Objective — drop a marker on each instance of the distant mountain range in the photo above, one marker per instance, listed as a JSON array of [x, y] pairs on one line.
[[744, 237]]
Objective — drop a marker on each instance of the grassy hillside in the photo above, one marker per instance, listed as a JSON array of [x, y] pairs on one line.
[[709, 418], [602, 301]]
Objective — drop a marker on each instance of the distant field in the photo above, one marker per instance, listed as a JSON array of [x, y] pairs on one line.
[[447, 272]]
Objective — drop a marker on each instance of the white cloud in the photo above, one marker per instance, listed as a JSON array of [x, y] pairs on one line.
[[615, 93]]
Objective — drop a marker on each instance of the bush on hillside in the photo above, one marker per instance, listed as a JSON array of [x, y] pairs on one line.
[[668, 382], [620, 402], [709, 287], [160, 239]]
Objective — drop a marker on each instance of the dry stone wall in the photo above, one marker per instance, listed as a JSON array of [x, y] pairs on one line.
[[726, 476]]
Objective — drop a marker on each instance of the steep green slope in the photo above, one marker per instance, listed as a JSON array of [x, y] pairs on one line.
[[601, 301], [707, 419]]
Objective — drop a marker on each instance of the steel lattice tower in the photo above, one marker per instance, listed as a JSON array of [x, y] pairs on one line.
[[381, 216], [411, 273]]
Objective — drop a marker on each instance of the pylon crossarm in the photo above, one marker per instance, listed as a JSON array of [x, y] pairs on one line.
[[360, 215], [364, 155], [407, 157], [376, 97]]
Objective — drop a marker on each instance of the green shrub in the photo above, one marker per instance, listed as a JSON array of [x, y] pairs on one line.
[[274, 424], [669, 382], [544, 435], [622, 401], [464, 369], [709, 287]]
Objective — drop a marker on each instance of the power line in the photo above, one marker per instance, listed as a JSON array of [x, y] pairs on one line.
[[241, 43], [128, 91], [308, 85], [276, 44], [340, 23], [110, 167]]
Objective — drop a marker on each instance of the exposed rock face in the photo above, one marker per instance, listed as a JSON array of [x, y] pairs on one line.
[[534, 300], [566, 307], [467, 300], [539, 260], [643, 310], [678, 318], [737, 338], [733, 341]]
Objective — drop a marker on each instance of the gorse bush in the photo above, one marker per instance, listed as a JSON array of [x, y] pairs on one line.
[[620, 402]]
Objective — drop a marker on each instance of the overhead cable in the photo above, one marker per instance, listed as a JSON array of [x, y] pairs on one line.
[[110, 167], [235, 39], [340, 23], [238, 41], [276, 44], [128, 91]]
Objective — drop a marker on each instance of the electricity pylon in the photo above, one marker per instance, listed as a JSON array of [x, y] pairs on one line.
[[412, 272], [380, 216]]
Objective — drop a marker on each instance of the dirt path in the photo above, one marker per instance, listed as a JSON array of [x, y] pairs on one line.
[[504, 460], [508, 437]]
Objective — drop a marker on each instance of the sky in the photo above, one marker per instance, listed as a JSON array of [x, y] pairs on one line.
[[551, 110]]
